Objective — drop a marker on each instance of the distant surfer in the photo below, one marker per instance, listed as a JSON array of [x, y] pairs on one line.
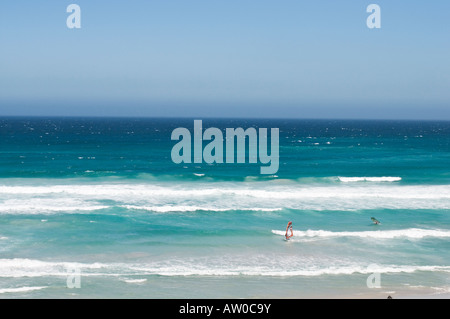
[[375, 221], [289, 227]]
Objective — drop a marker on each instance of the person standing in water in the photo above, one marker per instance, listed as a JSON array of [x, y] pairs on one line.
[[289, 225]]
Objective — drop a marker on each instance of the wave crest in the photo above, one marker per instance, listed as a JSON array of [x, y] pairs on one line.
[[369, 179], [17, 268], [414, 233]]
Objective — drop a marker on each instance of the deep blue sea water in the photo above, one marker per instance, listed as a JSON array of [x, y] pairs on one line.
[[100, 199]]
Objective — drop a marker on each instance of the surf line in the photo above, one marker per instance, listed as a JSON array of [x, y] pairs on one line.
[[213, 151]]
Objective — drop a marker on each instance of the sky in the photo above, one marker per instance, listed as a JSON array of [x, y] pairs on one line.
[[226, 58]]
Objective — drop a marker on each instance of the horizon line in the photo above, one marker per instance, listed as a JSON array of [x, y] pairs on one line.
[[216, 118]]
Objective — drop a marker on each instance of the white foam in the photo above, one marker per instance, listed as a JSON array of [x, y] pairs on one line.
[[170, 208], [46, 205], [369, 179], [189, 196], [441, 290], [20, 289], [20, 267], [24, 209], [134, 281], [17, 268], [270, 269], [414, 233]]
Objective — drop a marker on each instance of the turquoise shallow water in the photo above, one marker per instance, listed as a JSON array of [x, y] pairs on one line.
[[102, 200]]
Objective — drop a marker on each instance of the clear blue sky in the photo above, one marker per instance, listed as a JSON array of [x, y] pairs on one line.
[[259, 58]]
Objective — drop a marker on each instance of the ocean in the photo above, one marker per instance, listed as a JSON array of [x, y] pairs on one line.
[[96, 208]]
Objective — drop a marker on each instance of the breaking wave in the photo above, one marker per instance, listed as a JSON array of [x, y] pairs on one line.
[[413, 233]]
